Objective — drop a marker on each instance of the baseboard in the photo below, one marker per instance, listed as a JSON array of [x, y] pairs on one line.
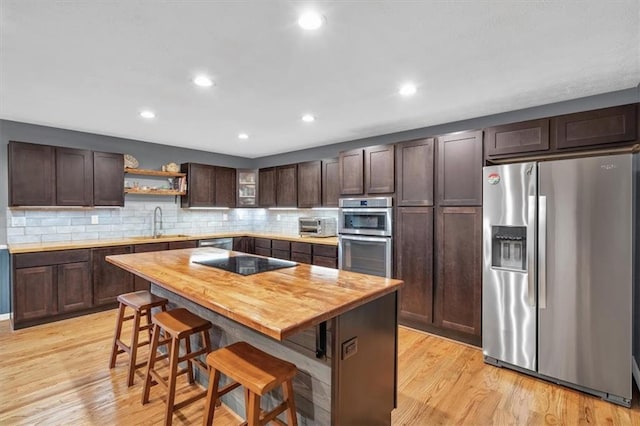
[[5, 316]]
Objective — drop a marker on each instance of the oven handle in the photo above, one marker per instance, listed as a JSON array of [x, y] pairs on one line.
[[365, 210], [371, 239]]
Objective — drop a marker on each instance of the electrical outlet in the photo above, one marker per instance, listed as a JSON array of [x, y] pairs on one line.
[[225, 216], [95, 219], [278, 217], [18, 221]]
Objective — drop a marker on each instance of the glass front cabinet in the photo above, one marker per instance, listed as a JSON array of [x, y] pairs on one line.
[[247, 188]]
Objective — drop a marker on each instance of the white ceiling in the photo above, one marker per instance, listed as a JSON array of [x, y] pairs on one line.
[[92, 66]]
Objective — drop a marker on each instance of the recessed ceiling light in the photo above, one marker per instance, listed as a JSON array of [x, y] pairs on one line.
[[310, 20], [408, 89], [308, 118], [147, 114], [202, 81], [243, 136]]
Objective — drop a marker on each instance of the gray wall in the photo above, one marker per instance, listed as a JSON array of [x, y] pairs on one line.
[[621, 97], [150, 156]]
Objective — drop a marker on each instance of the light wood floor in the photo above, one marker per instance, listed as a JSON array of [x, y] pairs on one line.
[[58, 374]]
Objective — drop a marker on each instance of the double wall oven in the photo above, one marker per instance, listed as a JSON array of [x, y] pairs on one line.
[[365, 235]]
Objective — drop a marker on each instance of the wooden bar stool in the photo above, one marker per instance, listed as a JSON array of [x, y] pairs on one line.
[[259, 373], [141, 302], [178, 324]]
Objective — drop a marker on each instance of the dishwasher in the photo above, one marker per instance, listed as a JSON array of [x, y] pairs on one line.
[[221, 243]]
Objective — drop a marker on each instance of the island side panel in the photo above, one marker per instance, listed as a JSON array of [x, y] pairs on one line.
[[312, 385], [365, 379]]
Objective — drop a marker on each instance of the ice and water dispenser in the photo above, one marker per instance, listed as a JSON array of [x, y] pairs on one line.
[[509, 247]]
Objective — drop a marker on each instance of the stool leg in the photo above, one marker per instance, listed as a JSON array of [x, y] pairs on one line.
[[253, 418], [148, 315], [187, 346], [287, 390], [212, 396], [247, 396], [116, 336], [134, 347], [171, 388], [153, 348]]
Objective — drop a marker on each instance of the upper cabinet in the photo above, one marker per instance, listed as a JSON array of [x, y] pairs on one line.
[[43, 175], [459, 169], [414, 171], [351, 166], [286, 186], [330, 182], [367, 171], [267, 187], [597, 127], [31, 174], [74, 177], [209, 186], [107, 179], [517, 138], [247, 185], [379, 169], [310, 184]]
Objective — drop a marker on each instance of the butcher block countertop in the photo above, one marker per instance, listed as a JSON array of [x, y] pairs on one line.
[[277, 303], [72, 245]]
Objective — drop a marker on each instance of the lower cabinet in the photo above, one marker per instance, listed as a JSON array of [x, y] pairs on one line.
[[414, 265], [109, 280], [325, 255], [458, 295], [281, 249], [243, 244], [49, 284], [438, 256]]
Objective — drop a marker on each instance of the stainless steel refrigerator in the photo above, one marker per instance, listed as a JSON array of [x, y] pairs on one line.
[[558, 271]]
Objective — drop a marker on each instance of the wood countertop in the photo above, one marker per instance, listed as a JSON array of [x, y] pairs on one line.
[[72, 245], [277, 303]]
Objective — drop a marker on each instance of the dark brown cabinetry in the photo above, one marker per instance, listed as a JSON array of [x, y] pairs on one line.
[[225, 187], [31, 174], [301, 252], [458, 293], [34, 293], [330, 182], [209, 186], [263, 246], [267, 187], [414, 167], [42, 175], [325, 255], [201, 188], [379, 170], [109, 280], [414, 265], [108, 174], [281, 249], [598, 127], [310, 184], [367, 171], [175, 245], [286, 186], [74, 286], [351, 165], [50, 284], [243, 244], [459, 169], [517, 138], [74, 177]]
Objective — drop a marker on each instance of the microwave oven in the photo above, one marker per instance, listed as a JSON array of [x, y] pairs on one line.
[[317, 226]]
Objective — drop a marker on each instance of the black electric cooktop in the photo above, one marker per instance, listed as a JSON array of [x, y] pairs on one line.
[[246, 264]]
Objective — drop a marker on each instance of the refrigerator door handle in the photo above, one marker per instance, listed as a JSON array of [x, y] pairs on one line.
[[542, 252], [531, 249]]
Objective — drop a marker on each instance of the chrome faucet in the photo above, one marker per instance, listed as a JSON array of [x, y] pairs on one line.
[[156, 234]]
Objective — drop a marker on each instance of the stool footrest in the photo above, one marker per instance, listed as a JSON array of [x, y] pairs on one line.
[[189, 400], [271, 415]]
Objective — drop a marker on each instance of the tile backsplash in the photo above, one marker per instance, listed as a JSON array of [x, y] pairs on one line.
[[136, 219]]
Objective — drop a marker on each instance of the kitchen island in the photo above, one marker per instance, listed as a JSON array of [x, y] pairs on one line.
[[338, 327]]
